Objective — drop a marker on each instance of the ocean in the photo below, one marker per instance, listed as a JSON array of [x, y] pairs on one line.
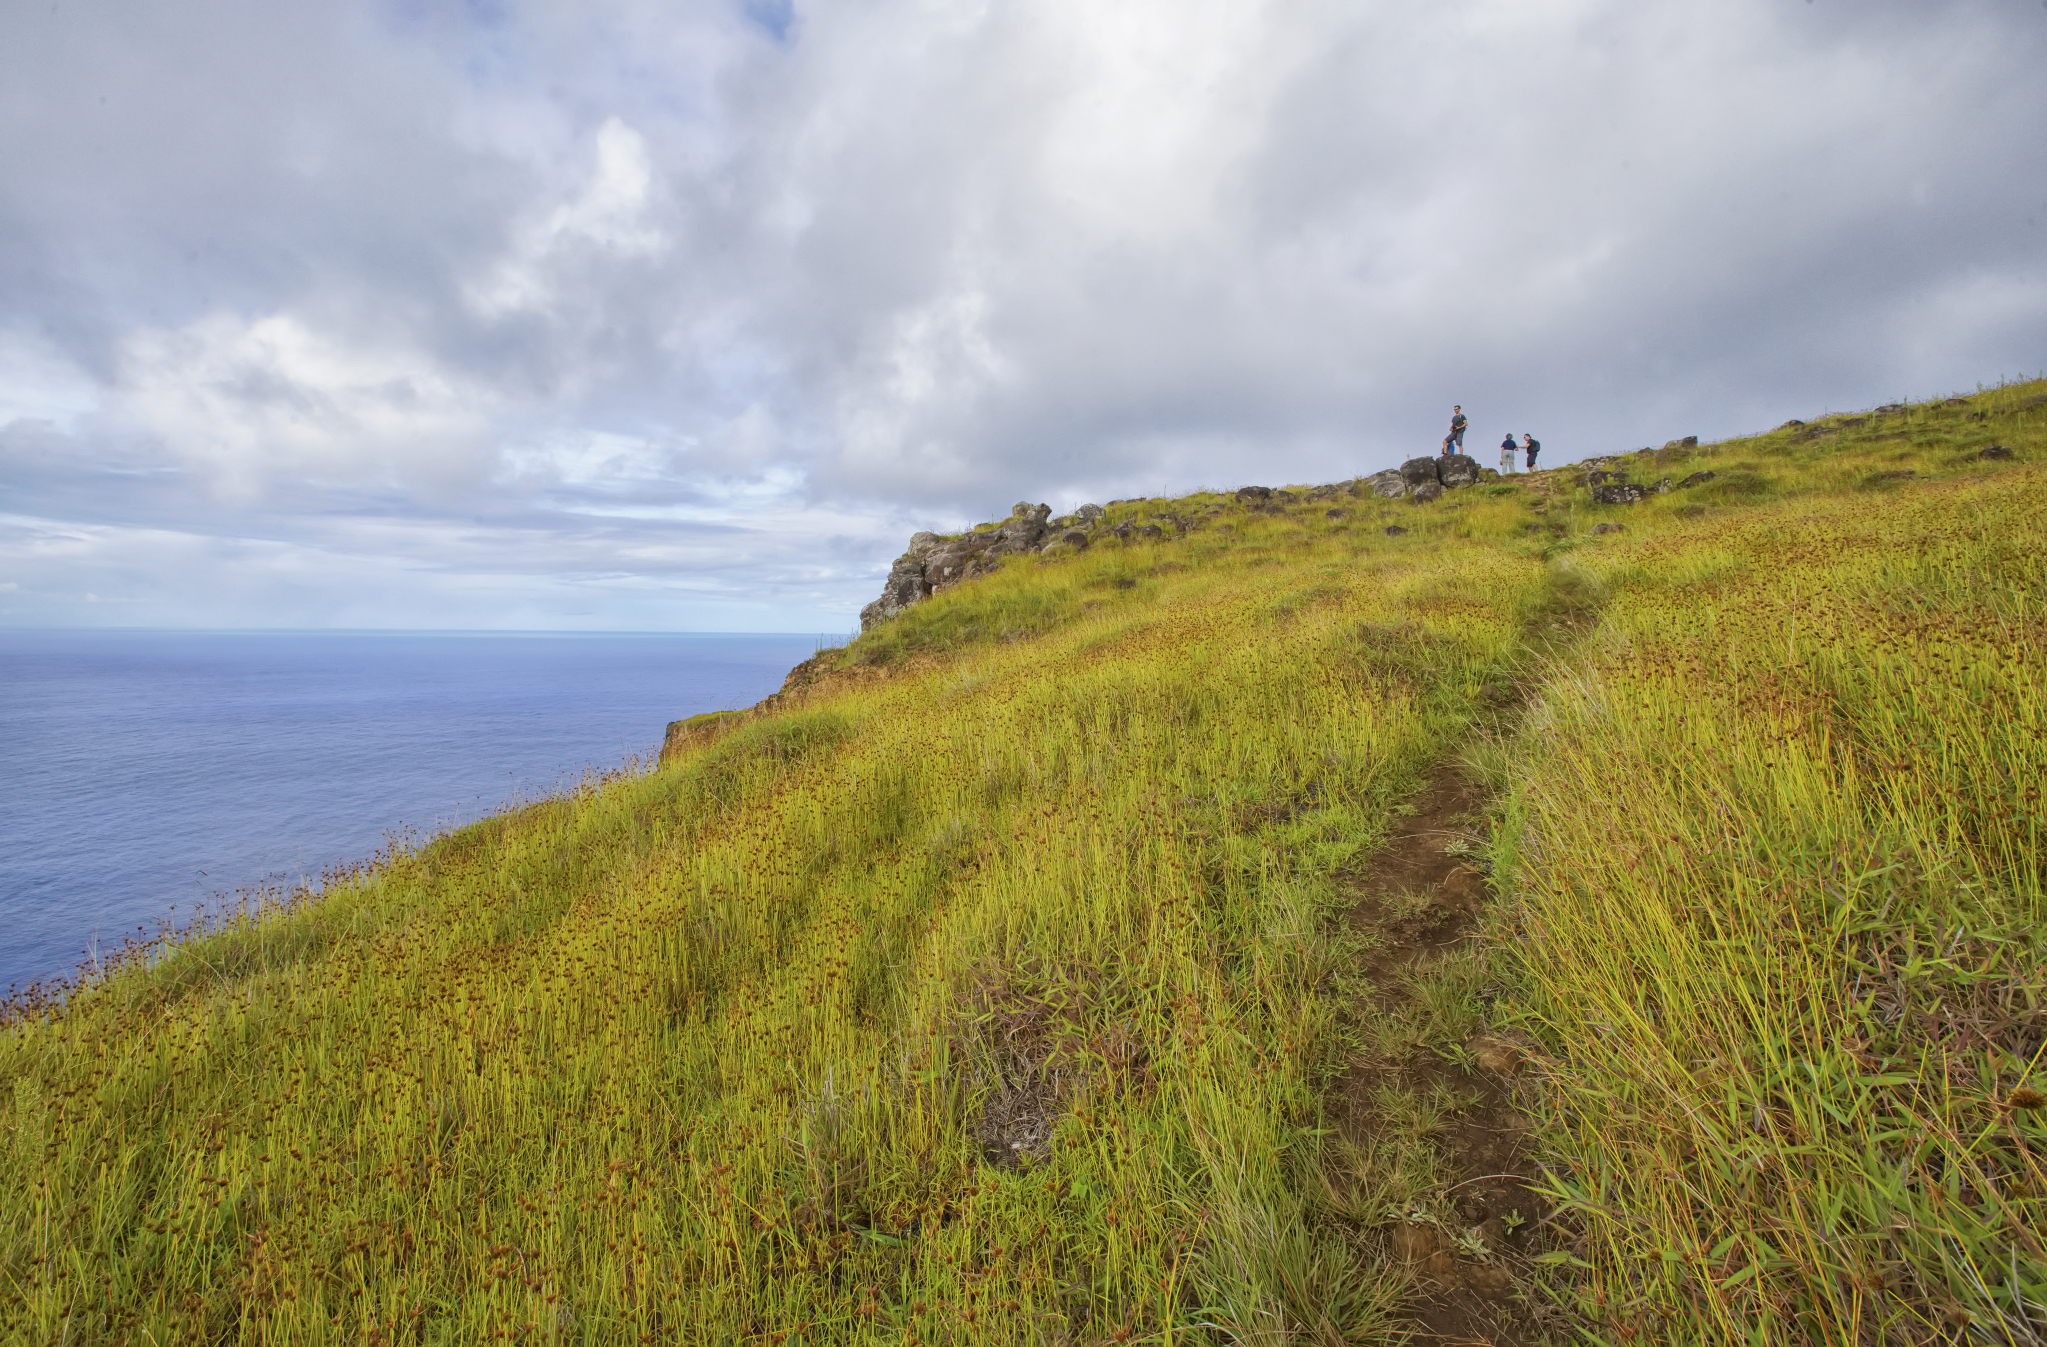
[[144, 775]]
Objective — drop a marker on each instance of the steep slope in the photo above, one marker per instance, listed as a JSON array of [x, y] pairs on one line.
[[1015, 973]]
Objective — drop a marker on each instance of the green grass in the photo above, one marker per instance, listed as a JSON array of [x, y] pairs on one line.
[[975, 1002], [1776, 845], [985, 989]]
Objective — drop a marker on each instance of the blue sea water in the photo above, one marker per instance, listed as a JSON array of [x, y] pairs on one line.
[[144, 774]]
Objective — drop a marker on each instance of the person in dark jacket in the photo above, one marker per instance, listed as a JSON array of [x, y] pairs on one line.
[[1533, 446]]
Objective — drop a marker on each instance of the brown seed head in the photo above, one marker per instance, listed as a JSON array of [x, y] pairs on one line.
[[2027, 1098]]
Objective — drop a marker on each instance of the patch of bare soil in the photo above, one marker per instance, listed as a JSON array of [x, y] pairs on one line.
[[1420, 901]]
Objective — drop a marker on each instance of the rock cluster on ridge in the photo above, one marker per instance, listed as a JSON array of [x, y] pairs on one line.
[[1424, 479], [937, 562], [934, 563]]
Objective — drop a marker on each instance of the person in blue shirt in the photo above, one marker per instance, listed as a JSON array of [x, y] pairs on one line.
[[1507, 453], [1533, 446]]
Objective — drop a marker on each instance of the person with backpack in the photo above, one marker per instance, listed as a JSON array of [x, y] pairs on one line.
[[1456, 435], [1533, 446], [1507, 453]]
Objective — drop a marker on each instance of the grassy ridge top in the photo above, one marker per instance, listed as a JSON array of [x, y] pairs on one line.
[[984, 985]]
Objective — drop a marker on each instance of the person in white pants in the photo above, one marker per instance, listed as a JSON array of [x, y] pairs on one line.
[[1507, 453]]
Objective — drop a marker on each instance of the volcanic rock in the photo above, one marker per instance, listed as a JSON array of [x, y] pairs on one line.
[[1416, 471], [1457, 470]]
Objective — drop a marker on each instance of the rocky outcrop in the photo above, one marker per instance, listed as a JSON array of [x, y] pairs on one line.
[[1457, 470], [1418, 472], [1423, 479], [1618, 493], [936, 562], [1389, 484]]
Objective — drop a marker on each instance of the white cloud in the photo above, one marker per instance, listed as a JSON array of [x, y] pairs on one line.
[[39, 383], [593, 458], [603, 301], [608, 218], [247, 403]]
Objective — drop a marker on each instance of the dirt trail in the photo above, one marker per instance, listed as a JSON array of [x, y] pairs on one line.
[[1419, 902]]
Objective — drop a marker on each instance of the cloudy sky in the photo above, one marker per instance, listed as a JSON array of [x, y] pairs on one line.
[[682, 315]]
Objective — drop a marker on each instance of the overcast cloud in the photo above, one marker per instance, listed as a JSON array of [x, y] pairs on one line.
[[616, 314]]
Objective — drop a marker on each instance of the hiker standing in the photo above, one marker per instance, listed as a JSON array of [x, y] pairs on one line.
[[1507, 453], [1456, 435], [1533, 446]]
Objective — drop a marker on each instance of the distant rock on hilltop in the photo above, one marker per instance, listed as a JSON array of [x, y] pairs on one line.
[[1426, 478], [939, 561]]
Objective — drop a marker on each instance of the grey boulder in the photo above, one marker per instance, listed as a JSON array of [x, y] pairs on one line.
[[905, 585], [1618, 493], [1457, 470], [1416, 471]]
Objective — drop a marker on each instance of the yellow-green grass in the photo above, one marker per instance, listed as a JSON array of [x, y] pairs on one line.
[[1775, 839], [976, 1003], [983, 991]]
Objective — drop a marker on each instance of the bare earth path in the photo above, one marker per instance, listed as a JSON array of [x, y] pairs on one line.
[[1416, 905]]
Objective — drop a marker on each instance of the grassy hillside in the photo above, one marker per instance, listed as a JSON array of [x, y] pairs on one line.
[[1005, 978]]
